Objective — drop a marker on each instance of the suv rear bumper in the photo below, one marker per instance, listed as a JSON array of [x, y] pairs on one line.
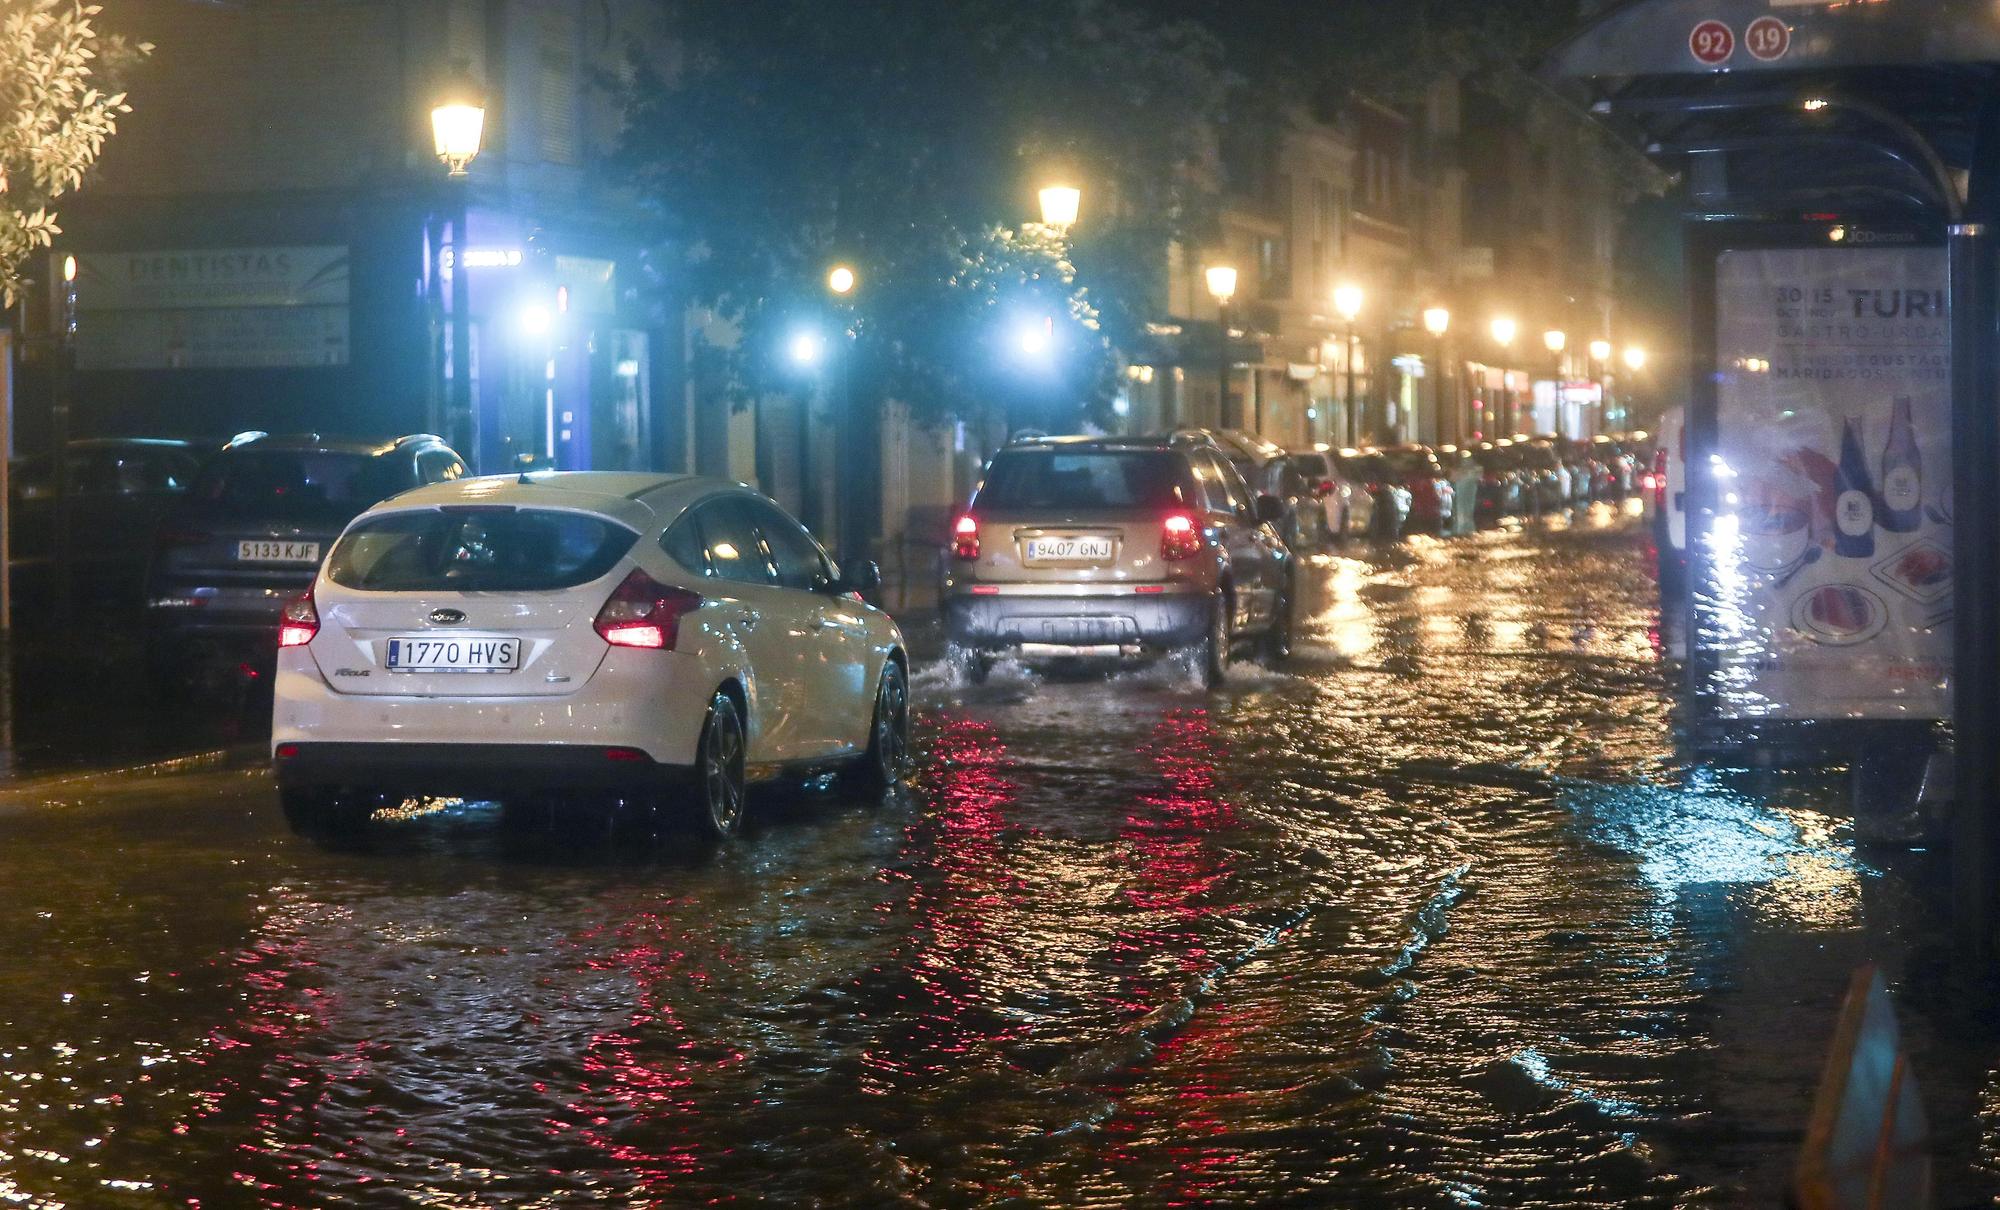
[[1056, 625], [466, 770]]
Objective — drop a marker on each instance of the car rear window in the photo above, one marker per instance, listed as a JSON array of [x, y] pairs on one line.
[[477, 550], [1093, 479], [300, 481]]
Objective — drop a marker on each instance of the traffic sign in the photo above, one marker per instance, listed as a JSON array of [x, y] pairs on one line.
[[1767, 38], [1711, 43]]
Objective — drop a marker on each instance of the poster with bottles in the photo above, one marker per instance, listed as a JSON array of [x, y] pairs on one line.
[[1832, 550]]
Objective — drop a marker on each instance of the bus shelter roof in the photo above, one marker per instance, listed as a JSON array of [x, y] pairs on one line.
[[1867, 106]]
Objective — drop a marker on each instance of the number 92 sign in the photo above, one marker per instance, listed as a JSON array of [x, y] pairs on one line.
[[1713, 43]]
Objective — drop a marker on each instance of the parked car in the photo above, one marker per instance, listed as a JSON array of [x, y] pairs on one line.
[[1669, 517], [1584, 470], [1417, 468], [1464, 475], [249, 534], [1346, 510], [666, 637], [1116, 549], [1547, 482], [1268, 470], [1620, 474], [1389, 507], [119, 488], [1503, 481]]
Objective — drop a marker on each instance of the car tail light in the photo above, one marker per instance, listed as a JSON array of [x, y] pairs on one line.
[[299, 622], [645, 613], [965, 538], [1647, 481], [1324, 488], [183, 537], [1180, 537]]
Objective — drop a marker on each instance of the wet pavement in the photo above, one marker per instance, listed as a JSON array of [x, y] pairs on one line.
[[1429, 917]]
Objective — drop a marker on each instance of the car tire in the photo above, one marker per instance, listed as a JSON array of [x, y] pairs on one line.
[[719, 790], [967, 667], [1208, 658], [888, 757], [323, 814], [1277, 644]]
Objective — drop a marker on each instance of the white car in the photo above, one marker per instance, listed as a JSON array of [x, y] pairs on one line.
[[663, 636]]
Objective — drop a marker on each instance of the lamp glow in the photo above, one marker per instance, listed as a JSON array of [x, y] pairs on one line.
[[1600, 350], [806, 348], [1436, 320], [456, 126], [840, 279], [1060, 204], [1555, 339], [1347, 300], [1504, 330], [1635, 358], [1222, 282]]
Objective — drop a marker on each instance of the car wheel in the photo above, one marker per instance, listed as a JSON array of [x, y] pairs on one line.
[[1209, 657], [967, 667], [323, 814], [1278, 640], [718, 769], [888, 755]]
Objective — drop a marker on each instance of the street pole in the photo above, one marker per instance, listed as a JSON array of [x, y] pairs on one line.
[[1353, 420], [1440, 394], [464, 421], [62, 276], [1224, 411]]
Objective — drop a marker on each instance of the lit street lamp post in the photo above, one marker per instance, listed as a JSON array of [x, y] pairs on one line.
[[456, 125], [1503, 330], [1600, 358], [1222, 284], [1437, 321], [1347, 301], [1556, 340]]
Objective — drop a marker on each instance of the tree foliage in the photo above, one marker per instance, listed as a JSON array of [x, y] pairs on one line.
[[907, 138], [57, 106]]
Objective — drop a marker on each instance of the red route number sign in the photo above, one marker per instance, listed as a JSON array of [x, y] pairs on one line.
[[1712, 42], [1767, 38]]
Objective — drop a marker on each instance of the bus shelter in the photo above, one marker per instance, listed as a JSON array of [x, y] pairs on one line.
[[1841, 165]]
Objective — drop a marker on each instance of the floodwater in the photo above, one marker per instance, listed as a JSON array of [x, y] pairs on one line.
[[1429, 917]]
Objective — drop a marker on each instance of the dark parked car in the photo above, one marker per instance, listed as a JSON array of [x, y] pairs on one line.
[[1417, 468], [1546, 479], [1345, 508], [1503, 490], [1389, 499], [250, 532], [119, 488]]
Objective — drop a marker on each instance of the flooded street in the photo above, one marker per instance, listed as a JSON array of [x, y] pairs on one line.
[[1429, 917]]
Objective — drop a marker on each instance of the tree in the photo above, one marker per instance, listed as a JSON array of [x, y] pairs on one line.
[[56, 110], [907, 137]]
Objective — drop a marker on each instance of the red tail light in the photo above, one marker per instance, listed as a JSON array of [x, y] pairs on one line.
[[965, 539], [645, 613], [1647, 481], [1324, 488], [299, 622], [1180, 538]]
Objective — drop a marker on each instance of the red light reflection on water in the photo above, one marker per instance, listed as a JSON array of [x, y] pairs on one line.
[[1178, 836], [269, 1086], [944, 1007], [637, 1102]]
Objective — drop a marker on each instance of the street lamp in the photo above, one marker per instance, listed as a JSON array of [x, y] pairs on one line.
[[1635, 358], [1600, 350], [840, 279], [458, 118], [1556, 340], [1504, 329], [1347, 299], [1059, 206], [1600, 358], [1222, 284], [1437, 321]]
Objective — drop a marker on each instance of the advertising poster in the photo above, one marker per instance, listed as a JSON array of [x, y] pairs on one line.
[[1832, 550]]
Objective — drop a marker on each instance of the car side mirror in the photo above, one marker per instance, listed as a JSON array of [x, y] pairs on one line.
[[863, 576], [1270, 509]]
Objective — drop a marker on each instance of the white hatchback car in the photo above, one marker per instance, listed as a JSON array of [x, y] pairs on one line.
[[645, 635]]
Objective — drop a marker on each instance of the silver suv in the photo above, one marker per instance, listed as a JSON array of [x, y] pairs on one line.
[[1116, 549]]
